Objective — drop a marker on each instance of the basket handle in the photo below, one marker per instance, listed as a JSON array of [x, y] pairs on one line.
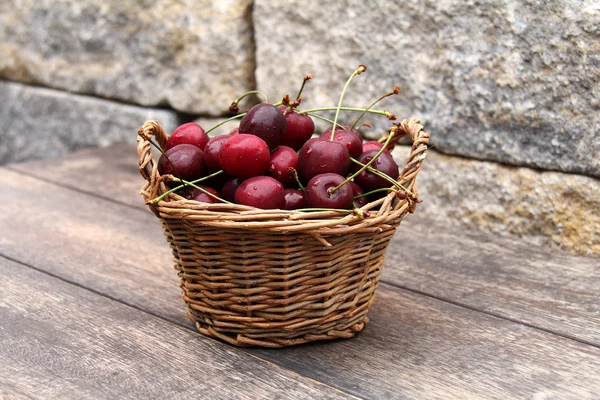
[[418, 151], [148, 168]]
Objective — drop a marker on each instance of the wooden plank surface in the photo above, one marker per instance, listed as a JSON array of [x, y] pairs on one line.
[[552, 290], [415, 346], [62, 341]]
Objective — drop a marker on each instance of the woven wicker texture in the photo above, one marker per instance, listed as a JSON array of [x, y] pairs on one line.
[[276, 278]]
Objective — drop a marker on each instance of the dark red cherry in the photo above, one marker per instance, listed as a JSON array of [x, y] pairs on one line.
[[185, 161], [372, 145], [212, 151], [202, 197], [348, 139], [357, 191], [244, 156], [318, 192], [320, 156], [260, 192], [229, 188], [265, 121], [300, 128], [190, 133], [282, 159], [293, 199], [345, 128], [384, 163]]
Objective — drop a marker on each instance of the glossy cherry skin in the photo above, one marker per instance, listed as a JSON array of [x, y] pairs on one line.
[[318, 194], [190, 133], [185, 161], [244, 156], [320, 156], [229, 188], [265, 121], [373, 145], [348, 139], [346, 128], [384, 163], [282, 159], [293, 199], [262, 192], [300, 128], [202, 197], [212, 151], [357, 191]]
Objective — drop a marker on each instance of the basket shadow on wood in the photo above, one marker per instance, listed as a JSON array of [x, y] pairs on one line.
[[277, 278]]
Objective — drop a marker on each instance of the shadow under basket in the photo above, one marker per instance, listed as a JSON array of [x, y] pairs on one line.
[[277, 278]]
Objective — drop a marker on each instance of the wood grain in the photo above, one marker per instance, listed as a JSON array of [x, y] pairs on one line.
[[552, 290], [62, 341], [414, 346]]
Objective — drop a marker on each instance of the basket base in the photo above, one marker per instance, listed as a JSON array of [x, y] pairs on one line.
[[241, 340]]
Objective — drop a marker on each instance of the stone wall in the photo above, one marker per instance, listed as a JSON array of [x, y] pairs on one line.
[[510, 91]]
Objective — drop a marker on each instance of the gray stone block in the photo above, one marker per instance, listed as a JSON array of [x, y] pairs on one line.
[[514, 82], [540, 207], [38, 123], [196, 56]]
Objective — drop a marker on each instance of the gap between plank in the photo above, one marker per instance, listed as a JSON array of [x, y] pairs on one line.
[[416, 291], [490, 313], [180, 325]]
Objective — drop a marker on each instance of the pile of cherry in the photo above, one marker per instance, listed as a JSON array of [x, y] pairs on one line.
[[272, 162]]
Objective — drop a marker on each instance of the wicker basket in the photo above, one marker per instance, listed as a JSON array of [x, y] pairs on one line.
[[277, 278]]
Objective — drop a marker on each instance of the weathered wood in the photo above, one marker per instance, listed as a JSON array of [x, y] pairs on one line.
[[552, 290], [62, 341], [549, 289], [414, 346]]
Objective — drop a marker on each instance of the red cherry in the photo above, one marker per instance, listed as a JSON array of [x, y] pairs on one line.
[[265, 121], [282, 159], [190, 133], [185, 161], [212, 151], [345, 128], [318, 194], [300, 128], [357, 191], [384, 163], [373, 145], [202, 197], [229, 188], [261, 192], [348, 139], [244, 156], [293, 199], [320, 156]]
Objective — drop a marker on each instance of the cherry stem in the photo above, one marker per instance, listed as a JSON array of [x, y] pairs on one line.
[[373, 192], [324, 119], [361, 68], [395, 91], [165, 194], [294, 173], [252, 92], [365, 166], [202, 190], [225, 121], [384, 176], [306, 79], [388, 114]]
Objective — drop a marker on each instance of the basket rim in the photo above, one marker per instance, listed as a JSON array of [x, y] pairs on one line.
[[235, 216]]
